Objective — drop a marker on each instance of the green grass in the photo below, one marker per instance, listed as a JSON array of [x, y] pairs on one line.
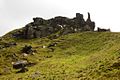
[[77, 56]]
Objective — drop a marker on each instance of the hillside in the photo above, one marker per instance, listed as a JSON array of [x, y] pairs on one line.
[[76, 56]]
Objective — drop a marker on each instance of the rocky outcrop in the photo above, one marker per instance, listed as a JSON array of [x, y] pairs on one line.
[[42, 28], [89, 26]]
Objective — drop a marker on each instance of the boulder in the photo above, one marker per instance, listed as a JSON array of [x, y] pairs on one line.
[[19, 64], [27, 49], [22, 65], [103, 30]]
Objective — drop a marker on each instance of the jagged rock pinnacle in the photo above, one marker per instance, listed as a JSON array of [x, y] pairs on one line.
[[88, 19]]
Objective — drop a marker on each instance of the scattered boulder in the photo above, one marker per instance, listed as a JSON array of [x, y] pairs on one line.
[[103, 30], [27, 49], [24, 54], [22, 65], [19, 64]]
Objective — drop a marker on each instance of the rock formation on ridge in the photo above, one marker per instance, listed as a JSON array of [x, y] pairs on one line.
[[42, 28]]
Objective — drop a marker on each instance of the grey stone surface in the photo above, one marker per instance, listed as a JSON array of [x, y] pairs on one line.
[[42, 28]]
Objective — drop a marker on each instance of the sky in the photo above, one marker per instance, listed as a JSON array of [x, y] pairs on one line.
[[15, 14]]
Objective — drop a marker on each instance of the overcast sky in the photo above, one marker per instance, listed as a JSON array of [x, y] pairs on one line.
[[17, 13]]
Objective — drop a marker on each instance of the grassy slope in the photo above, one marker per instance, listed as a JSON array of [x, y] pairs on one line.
[[78, 56]]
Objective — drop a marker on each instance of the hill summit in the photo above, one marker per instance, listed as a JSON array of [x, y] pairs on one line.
[[42, 28]]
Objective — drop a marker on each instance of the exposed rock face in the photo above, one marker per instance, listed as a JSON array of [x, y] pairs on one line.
[[42, 28], [89, 26], [80, 22]]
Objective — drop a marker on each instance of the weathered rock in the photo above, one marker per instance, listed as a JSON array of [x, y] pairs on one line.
[[89, 26], [103, 30], [80, 22], [42, 28], [27, 49], [22, 65], [19, 64]]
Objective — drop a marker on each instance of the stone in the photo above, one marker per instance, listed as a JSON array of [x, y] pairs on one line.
[[103, 30], [24, 54], [27, 49], [19, 64], [22, 65], [43, 46]]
